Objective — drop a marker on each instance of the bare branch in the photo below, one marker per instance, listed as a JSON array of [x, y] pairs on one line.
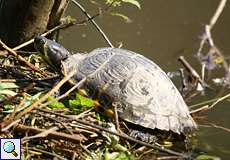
[[217, 14], [44, 133], [93, 22], [212, 23], [51, 134]]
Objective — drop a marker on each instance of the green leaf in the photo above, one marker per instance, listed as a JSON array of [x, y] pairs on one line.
[[55, 104], [1, 97], [207, 157], [8, 92], [117, 156], [9, 107], [119, 147], [124, 156], [133, 2], [38, 146], [124, 17], [8, 86], [24, 157], [80, 102], [74, 104], [114, 3], [87, 102], [30, 99], [4, 89], [98, 117]]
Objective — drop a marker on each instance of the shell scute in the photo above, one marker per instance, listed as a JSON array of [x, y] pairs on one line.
[[143, 93]]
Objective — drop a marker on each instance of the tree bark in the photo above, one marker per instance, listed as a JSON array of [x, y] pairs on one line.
[[21, 20]]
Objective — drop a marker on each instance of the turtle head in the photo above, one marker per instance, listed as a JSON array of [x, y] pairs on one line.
[[50, 50]]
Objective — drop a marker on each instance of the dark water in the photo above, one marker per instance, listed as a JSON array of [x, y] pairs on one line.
[[162, 30]]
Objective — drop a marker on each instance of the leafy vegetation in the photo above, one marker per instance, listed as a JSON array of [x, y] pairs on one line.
[[116, 3], [207, 157], [55, 104], [8, 90], [106, 154], [80, 103]]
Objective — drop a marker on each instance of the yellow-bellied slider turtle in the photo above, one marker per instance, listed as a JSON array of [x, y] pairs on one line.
[[141, 91]]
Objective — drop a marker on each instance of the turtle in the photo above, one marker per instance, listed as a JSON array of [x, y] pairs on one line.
[[140, 90]]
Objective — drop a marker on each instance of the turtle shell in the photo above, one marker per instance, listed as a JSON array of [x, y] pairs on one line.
[[142, 92]]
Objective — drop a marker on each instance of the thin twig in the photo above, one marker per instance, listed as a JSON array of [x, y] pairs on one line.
[[74, 156], [44, 34], [191, 70], [29, 80], [87, 151], [168, 158], [116, 118], [219, 100], [55, 120], [216, 126], [203, 103], [53, 135], [10, 125], [93, 22], [198, 110], [82, 114], [205, 108], [45, 133], [48, 153], [183, 81], [218, 12]]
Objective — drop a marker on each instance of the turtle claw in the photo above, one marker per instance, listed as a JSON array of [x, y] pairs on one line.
[[109, 112], [83, 92], [104, 110]]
